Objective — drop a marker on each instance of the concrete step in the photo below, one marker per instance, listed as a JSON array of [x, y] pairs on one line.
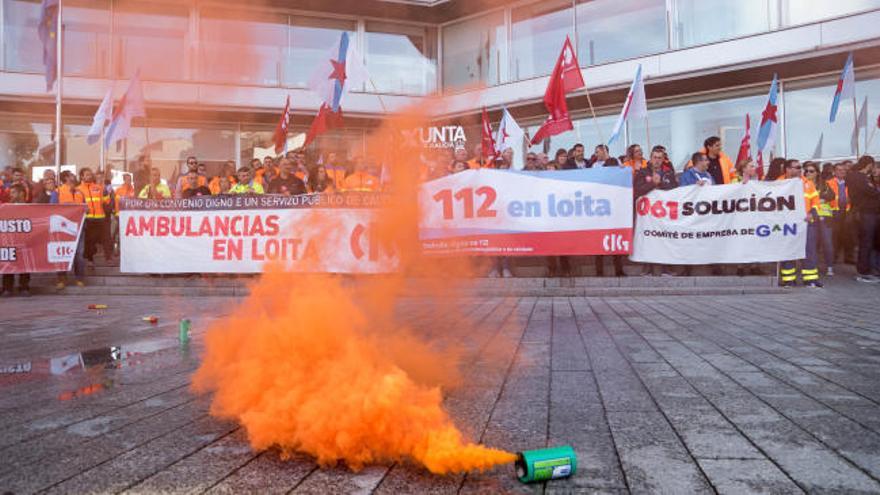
[[545, 287]]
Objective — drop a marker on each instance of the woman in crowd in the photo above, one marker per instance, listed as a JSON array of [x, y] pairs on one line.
[[824, 215], [746, 171], [320, 182], [775, 169], [634, 158]]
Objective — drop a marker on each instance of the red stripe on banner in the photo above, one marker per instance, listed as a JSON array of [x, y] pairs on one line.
[[569, 243]]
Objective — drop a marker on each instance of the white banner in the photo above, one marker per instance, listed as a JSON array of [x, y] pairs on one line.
[[509, 213], [736, 223], [240, 234]]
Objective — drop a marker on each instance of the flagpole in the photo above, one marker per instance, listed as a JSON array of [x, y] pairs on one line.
[[856, 123], [58, 94], [870, 139], [648, 132]]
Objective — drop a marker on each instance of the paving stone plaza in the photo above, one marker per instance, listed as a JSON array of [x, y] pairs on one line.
[[748, 393]]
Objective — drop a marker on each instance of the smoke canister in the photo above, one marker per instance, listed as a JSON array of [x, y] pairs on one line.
[[185, 325], [545, 464], [151, 319], [97, 306]]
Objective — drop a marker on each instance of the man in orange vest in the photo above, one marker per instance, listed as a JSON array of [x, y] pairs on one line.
[[810, 264], [361, 179], [841, 226], [97, 203], [126, 190], [228, 172], [68, 193], [720, 166]]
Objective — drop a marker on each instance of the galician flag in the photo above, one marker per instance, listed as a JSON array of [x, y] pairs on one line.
[[131, 105], [635, 106], [102, 116], [342, 70], [769, 120], [846, 86], [510, 135]]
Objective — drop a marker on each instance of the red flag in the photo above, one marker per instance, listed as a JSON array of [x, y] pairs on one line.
[[745, 147], [324, 121], [566, 78], [488, 141], [280, 135]]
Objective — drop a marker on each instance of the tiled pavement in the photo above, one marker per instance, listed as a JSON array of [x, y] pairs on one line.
[[773, 393]]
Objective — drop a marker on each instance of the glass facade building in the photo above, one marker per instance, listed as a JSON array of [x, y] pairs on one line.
[[252, 49]]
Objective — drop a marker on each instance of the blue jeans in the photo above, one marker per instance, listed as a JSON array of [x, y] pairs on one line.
[[867, 233], [826, 240]]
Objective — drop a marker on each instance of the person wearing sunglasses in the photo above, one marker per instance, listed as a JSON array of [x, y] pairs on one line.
[[809, 265], [824, 216]]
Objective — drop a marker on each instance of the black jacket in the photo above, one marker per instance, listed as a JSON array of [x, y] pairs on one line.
[[863, 196], [643, 182]]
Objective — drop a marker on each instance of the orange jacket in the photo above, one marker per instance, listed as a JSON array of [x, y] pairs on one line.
[[125, 191], [337, 175], [96, 199], [214, 185], [629, 164], [832, 183], [361, 181], [66, 194], [811, 195]]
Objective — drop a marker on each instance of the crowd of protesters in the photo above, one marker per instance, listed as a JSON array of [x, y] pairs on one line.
[[843, 199]]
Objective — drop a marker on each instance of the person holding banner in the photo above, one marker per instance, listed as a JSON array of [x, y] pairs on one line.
[[97, 230], [17, 194], [809, 265], [697, 174], [720, 167], [67, 194], [320, 182], [645, 181], [825, 215], [286, 183]]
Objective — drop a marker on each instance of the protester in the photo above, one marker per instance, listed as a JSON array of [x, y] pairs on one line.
[[192, 163], [865, 197], [775, 169], [320, 182], [142, 175], [247, 184], [17, 194], [19, 178], [824, 216], [561, 159], [126, 190], [531, 162], [635, 160], [459, 166], [193, 188], [224, 186], [286, 183], [648, 179], [48, 193], [227, 171], [720, 167], [184, 183], [543, 160], [69, 193], [577, 157], [698, 173], [809, 265], [155, 189], [842, 217], [600, 156], [96, 227], [37, 189], [746, 171], [360, 179]]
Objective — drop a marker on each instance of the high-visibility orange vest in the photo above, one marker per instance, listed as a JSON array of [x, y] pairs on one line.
[[201, 182], [337, 175], [811, 195], [214, 185], [67, 194], [123, 191], [629, 164], [835, 206], [95, 199], [361, 181]]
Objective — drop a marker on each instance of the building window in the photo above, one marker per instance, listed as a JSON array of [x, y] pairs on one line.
[[807, 110], [402, 59], [86, 37], [242, 48], [152, 37], [538, 31], [475, 51], [621, 29], [706, 21], [168, 148], [803, 11], [311, 40], [682, 129]]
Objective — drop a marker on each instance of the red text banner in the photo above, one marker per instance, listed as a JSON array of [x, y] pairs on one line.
[[506, 213], [39, 238]]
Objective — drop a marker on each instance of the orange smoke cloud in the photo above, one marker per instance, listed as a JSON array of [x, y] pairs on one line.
[[323, 365]]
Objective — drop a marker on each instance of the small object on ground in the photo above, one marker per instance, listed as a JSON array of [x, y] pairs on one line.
[[185, 325], [97, 306], [545, 464], [151, 319]]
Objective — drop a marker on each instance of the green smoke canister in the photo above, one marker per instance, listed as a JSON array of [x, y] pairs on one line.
[[545, 464], [185, 325]]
